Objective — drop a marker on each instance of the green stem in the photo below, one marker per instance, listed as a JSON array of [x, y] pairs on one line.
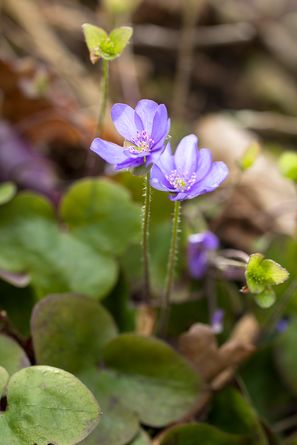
[[104, 92], [165, 302], [145, 238]]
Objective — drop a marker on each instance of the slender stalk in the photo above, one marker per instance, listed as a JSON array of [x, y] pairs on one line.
[[104, 90], [145, 238], [91, 165], [165, 302]]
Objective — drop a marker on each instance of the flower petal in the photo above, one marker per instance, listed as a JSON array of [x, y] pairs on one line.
[[129, 163], [182, 196], [166, 160], [197, 264], [211, 181], [111, 153], [158, 180], [204, 163], [160, 126], [123, 118], [207, 240], [186, 155], [146, 110]]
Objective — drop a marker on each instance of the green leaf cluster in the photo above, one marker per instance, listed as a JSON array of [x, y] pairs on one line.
[[76, 251], [136, 379], [261, 275], [108, 46]]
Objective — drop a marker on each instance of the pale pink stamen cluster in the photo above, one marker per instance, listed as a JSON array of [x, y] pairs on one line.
[[141, 143], [181, 183]]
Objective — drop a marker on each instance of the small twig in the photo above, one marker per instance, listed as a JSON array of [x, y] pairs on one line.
[[285, 424], [268, 122], [29, 15], [184, 59], [205, 36]]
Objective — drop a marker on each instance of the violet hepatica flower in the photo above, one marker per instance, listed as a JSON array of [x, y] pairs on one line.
[[189, 172], [200, 246], [144, 129], [217, 321]]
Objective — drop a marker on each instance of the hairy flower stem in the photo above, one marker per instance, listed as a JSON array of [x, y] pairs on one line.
[[104, 92], [165, 302], [145, 238]]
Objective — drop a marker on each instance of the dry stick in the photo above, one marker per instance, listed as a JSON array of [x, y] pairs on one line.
[[268, 122], [184, 61], [205, 36], [165, 302], [285, 424], [29, 15]]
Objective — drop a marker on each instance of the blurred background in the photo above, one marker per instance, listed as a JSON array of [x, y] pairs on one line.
[[224, 68]]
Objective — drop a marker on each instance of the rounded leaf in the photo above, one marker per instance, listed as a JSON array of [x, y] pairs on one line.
[[240, 417], [196, 433], [4, 377], [151, 378], [101, 213], [47, 405], [69, 331], [142, 438], [266, 298], [12, 356], [7, 192], [119, 423], [56, 260]]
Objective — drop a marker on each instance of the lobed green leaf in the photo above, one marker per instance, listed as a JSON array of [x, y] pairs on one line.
[[70, 331], [12, 356], [47, 405], [262, 273]]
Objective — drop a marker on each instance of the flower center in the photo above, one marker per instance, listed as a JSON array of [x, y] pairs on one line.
[[181, 183], [142, 143]]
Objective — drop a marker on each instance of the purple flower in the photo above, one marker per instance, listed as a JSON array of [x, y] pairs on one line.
[[144, 129], [199, 247], [282, 325], [217, 321], [189, 172]]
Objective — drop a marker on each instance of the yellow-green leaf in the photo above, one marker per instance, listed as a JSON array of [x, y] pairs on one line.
[[288, 165], [94, 36], [262, 273], [249, 157]]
